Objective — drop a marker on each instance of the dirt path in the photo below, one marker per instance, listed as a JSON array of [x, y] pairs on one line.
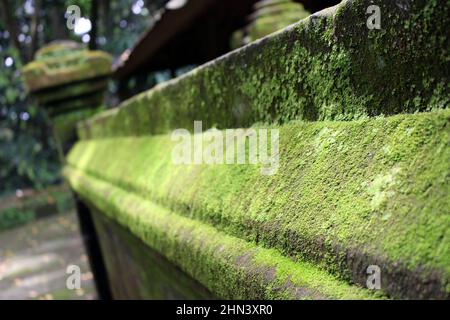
[[34, 258]]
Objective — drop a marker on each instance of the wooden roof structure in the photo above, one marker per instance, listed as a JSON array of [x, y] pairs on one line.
[[194, 34]]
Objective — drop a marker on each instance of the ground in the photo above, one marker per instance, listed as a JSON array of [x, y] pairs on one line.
[[34, 258]]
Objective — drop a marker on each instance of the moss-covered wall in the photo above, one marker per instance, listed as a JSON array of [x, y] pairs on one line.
[[327, 67], [228, 266], [364, 168], [347, 195]]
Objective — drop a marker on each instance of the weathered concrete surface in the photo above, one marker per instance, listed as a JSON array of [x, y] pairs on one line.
[[34, 258]]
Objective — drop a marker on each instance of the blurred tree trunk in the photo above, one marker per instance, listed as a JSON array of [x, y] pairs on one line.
[[105, 23], [8, 16], [94, 20], [35, 19], [57, 21]]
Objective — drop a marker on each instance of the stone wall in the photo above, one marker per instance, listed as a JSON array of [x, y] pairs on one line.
[[363, 162]]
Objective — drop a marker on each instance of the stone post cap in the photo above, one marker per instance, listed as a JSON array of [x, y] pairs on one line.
[[62, 62]]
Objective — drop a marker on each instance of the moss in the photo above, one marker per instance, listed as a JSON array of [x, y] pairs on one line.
[[228, 266], [58, 49], [274, 17], [74, 66], [274, 7], [267, 25], [65, 124], [327, 67], [68, 81], [347, 194], [353, 189], [147, 267]]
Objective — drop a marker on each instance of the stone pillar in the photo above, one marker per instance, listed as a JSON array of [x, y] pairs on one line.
[[268, 16], [68, 81]]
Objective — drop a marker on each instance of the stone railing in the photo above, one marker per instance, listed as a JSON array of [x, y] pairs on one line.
[[362, 181]]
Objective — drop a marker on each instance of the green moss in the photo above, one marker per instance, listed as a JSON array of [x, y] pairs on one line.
[[353, 189], [346, 195], [149, 267], [275, 17], [228, 266], [58, 49], [328, 67], [65, 124], [71, 67], [283, 6]]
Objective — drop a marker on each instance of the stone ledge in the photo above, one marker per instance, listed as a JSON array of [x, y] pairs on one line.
[[353, 189], [228, 266], [326, 67], [347, 195]]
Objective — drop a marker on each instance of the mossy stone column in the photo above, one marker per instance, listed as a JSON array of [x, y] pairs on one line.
[[68, 81], [269, 16]]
